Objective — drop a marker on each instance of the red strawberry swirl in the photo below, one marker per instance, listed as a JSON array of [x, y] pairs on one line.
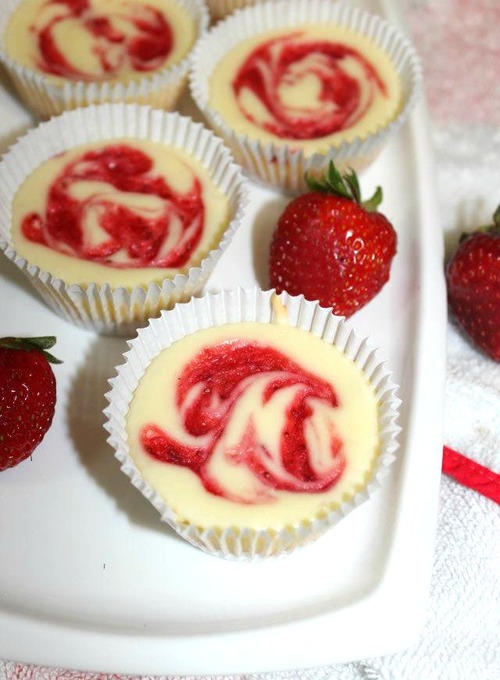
[[129, 36], [251, 422], [109, 207], [345, 86]]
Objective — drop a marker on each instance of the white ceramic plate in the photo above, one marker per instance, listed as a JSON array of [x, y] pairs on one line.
[[89, 577]]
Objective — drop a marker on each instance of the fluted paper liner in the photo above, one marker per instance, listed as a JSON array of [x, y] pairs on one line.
[[160, 88], [217, 309], [280, 165], [102, 308]]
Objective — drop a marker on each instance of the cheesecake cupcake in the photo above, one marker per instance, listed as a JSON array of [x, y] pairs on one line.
[[252, 422], [294, 84], [62, 54], [117, 211]]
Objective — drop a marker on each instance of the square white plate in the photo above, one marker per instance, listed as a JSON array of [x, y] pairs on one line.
[[89, 577]]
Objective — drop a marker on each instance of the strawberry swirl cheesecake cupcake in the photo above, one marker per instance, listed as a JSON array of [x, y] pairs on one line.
[[252, 434], [62, 54], [292, 85], [126, 219]]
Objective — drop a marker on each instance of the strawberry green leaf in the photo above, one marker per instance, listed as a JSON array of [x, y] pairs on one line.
[[346, 186], [373, 203], [41, 344], [496, 218]]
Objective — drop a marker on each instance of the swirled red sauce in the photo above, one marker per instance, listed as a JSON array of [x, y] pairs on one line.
[[228, 385], [342, 99], [130, 235], [133, 35]]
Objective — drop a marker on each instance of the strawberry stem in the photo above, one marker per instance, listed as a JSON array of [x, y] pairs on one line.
[[41, 344], [346, 186], [353, 183]]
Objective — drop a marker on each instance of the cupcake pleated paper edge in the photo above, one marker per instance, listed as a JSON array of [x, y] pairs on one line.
[[107, 310], [280, 165], [161, 88], [216, 309]]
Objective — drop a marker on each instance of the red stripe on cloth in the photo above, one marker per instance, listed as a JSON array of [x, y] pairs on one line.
[[471, 474]]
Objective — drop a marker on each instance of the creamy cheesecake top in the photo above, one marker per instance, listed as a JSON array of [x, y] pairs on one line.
[[309, 87], [98, 40], [253, 425], [127, 212]]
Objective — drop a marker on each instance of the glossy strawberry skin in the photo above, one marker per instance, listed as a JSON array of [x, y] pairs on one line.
[[27, 403], [331, 249], [473, 283]]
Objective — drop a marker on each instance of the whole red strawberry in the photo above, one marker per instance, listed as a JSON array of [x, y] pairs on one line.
[[330, 246], [27, 396], [473, 282]]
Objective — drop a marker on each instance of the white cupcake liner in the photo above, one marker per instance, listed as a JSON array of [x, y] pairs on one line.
[[217, 309], [277, 164], [160, 89], [103, 308]]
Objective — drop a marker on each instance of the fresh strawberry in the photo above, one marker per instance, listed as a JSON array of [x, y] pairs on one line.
[[27, 396], [330, 246], [473, 282]]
